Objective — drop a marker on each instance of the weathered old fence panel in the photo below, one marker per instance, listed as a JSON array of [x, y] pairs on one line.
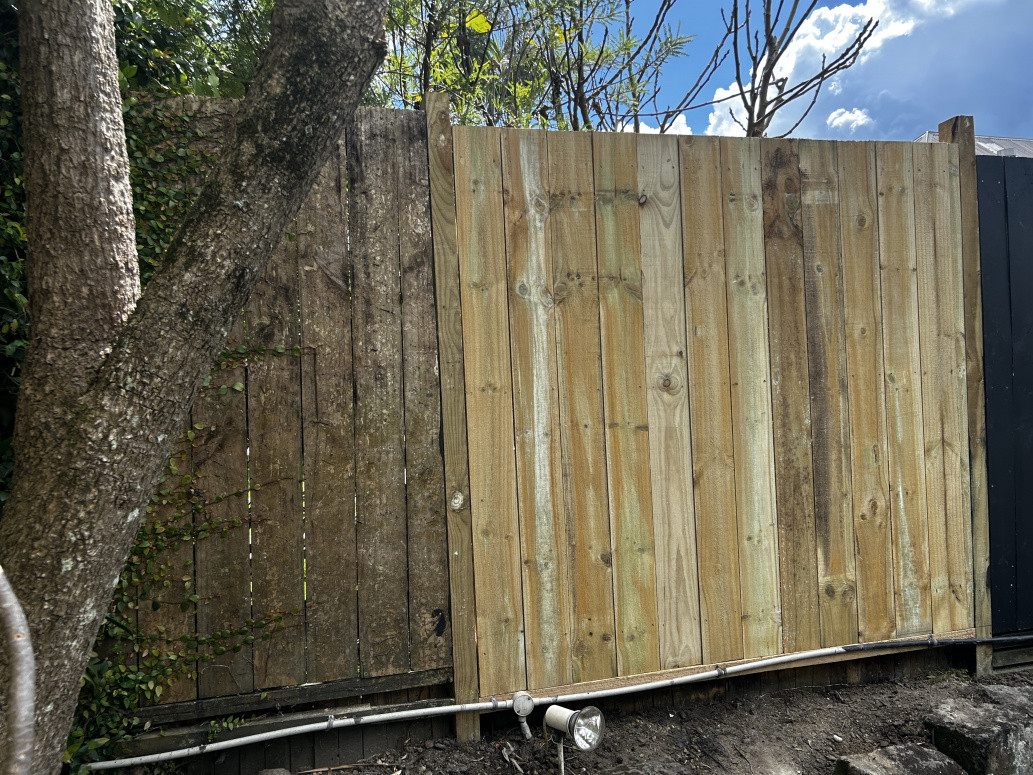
[[316, 453], [716, 399]]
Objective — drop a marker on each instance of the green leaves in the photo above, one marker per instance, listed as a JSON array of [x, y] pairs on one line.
[[478, 22]]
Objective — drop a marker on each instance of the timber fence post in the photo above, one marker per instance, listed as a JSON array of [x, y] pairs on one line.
[[960, 130]]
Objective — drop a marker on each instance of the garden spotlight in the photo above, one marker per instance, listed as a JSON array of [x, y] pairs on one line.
[[585, 726]]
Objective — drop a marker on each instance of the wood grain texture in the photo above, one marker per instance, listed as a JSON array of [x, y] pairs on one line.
[[429, 633], [869, 476], [713, 474], [830, 414], [324, 268], [790, 394], [961, 131], [942, 326], [453, 408], [379, 420], [571, 231], [222, 563], [548, 602], [751, 396], [667, 398], [489, 401], [624, 382], [274, 431], [903, 388], [172, 571]]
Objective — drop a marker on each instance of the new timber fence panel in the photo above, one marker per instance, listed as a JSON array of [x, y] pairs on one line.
[[714, 400]]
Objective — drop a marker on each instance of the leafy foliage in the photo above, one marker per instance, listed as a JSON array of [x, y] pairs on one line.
[[565, 64], [203, 47]]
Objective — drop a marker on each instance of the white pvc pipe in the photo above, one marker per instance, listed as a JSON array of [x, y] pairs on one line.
[[445, 710]]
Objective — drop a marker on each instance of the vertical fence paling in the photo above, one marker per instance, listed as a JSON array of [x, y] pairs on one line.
[[274, 441], [830, 411], [379, 419], [667, 400], [790, 398], [547, 599], [430, 633], [710, 405], [327, 389], [871, 552], [489, 405], [752, 430], [571, 232], [223, 569], [453, 407], [621, 315]]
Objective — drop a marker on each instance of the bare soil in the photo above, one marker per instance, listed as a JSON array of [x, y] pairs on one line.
[[783, 732]]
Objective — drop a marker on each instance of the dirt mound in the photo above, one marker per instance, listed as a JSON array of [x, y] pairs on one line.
[[783, 733]]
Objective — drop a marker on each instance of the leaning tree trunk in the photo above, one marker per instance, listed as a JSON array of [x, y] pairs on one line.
[[109, 378]]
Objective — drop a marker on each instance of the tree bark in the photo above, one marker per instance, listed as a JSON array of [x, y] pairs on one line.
[[107, 386]]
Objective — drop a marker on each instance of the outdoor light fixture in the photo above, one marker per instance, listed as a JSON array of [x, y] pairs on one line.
[[585, 726]]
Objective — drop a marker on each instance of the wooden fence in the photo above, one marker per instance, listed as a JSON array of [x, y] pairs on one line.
[[678, 402], [715, 399], [319, 434]]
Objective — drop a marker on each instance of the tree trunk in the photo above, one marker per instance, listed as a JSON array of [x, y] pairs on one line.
[[107, 387]]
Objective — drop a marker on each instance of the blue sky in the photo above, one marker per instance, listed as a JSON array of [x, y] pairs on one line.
[[929, 60]]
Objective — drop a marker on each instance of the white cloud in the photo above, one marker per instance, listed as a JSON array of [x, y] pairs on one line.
[[680, 126], [848, 119], [721, 121], [827, 32]]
